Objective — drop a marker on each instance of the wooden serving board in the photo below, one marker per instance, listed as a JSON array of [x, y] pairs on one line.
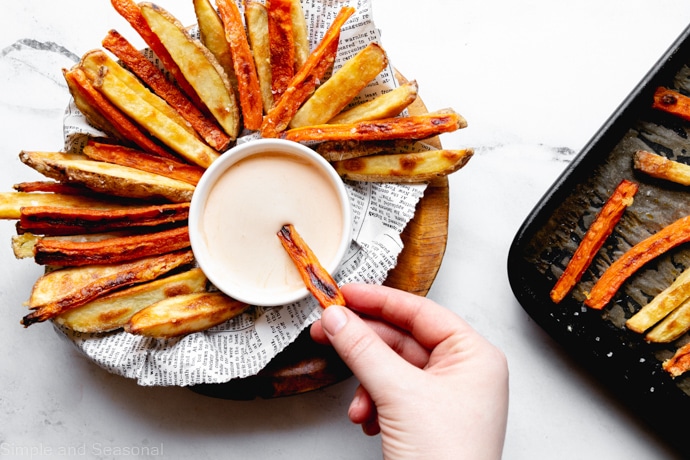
[[305, 365]]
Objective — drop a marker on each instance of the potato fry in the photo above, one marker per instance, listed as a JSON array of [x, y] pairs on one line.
[[107, 178], [679, 363], [305, 80], [49, 186], [300, 35], [198, 65], [104, 115], [317, 279], [11, 203], [387, 105], [112, 311], [615, 275], [55, 220], [256, 18], [282, 44], [61, 253], [595, 237], [344, 150], [661, 305], [245, 70], [660, 167], [124, 156], [212, 35], [184, 314], [416, 127], [673, 326], [672, 102], [61, 290], [342, 87], [131, 12], [137, 63], [403, 167]]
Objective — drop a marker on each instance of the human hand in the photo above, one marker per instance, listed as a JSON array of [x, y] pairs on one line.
[[429, 383]]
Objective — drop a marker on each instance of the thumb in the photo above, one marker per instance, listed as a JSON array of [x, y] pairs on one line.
[[371, 360]]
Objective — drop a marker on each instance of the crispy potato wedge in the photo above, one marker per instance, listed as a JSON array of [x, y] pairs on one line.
[[60, 220], [256, 18], [184, 314], [212, 35], [300, 35], [112, 311], [661, 305], [660, 167], [342, 87], [104, 115], [316, 278], [62, 253], [245, 70], [131, 12], [672, 326], [305, 80], [387, 105], [154, 78], [107, 177], [11, 203], [198, 65], [679, 363], [61, 290], [282, 44], [403, 167], [125, 156], [416, 127], [134, 101]]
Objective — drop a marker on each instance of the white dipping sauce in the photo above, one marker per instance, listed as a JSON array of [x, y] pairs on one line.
[[249, 204]]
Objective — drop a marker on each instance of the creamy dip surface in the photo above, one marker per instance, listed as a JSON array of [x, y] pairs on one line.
[[251, 201]]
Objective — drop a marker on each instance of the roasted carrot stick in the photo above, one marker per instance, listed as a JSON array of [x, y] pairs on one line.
[[594, 238], [672, 102], [679, 363], [665, 239], [318, 281]]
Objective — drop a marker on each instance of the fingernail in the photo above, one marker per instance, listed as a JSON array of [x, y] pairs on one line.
[[333, 319]]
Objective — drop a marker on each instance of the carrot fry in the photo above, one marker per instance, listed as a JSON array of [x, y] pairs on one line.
[[282, 44], [611, 280], [594, 238], [59, 252], [304, 81], [318, 281], [243, 62], [672, 102], [679, 363], [156, 80]]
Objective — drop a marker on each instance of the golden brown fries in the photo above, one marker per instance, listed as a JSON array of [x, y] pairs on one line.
[[660, 167], [125, 156], [256, 18], [155, 79], [61, 290], [106, 177], [305, 80], [112, 311], [281, 44], [61, 220], [247, 79], [334, 94], [317, 279], [212, 35], [198, 65], [387, 105], [673, 326], [403, 167], [184, 314], [416, 127], [662, 304], [299, 33]]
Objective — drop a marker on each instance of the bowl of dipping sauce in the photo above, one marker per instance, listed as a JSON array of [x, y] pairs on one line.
[[242, 201]]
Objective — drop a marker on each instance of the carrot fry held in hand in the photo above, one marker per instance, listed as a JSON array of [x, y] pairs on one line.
[[594, 238]]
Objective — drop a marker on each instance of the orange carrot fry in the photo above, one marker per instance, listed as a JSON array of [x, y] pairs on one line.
[[318, 281], [594, 238], [664, 240], [672, 102], [679, 363]]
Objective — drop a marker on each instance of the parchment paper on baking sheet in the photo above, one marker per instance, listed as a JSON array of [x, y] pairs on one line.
[[244, 345]]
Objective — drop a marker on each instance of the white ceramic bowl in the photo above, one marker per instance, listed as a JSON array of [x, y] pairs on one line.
[[241, 202]]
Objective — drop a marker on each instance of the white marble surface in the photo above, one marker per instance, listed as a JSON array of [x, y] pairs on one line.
[[535, 79]]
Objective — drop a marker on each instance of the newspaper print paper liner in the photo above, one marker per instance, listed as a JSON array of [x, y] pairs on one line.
[[244, 345]]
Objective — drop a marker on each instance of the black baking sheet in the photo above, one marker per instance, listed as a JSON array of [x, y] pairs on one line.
[[628, 366]]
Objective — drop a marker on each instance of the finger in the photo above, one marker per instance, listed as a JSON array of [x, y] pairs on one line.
[[362, 350], [401, 342], [362, 408], [425, 320]]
